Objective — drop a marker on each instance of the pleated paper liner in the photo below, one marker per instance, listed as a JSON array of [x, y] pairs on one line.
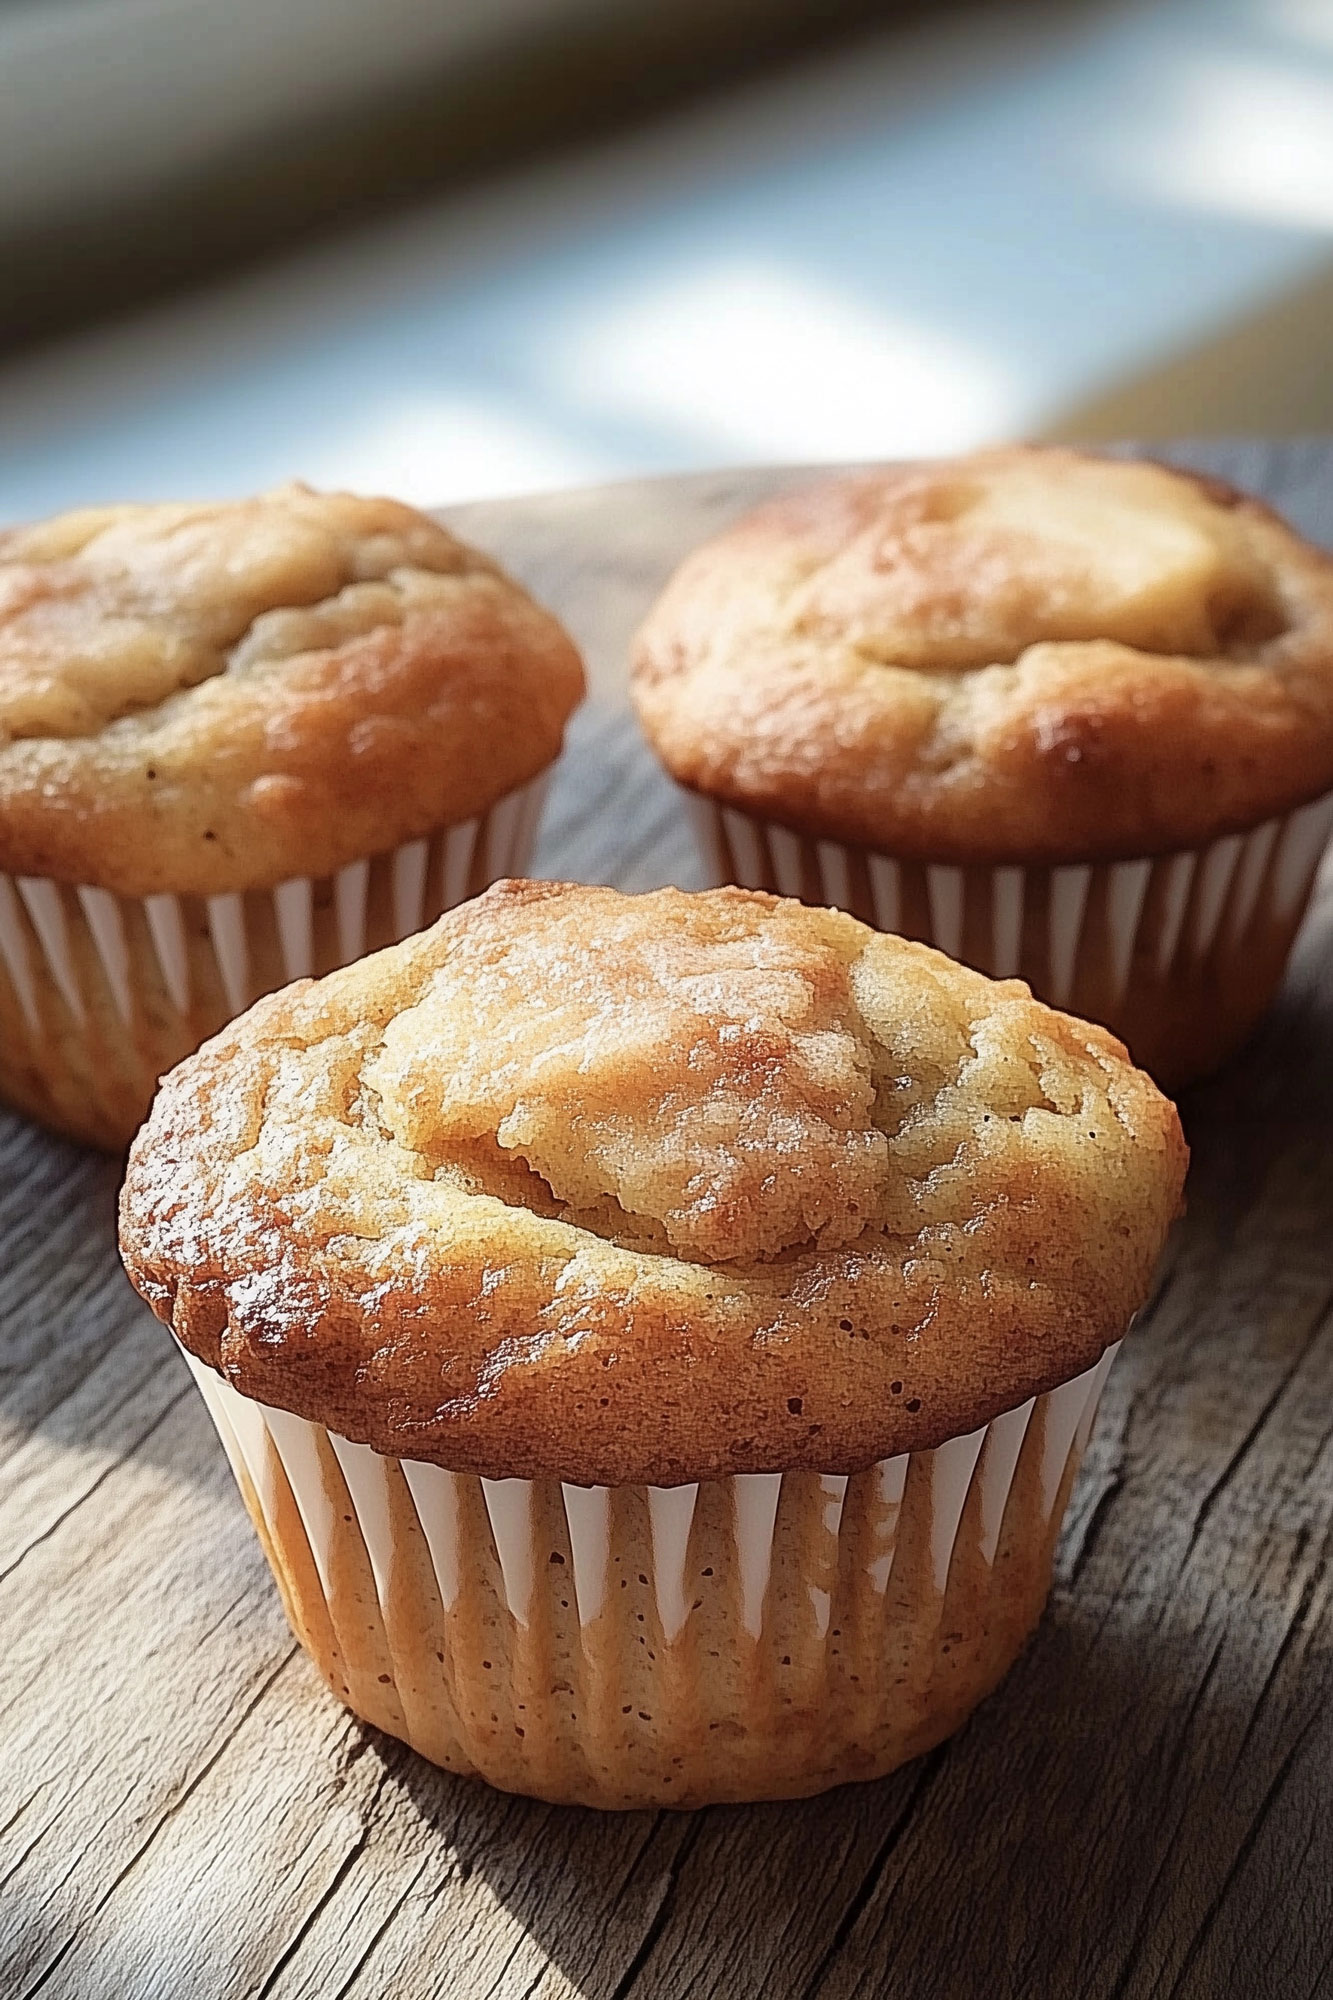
[[100, 994], [1178, 954], [763, 1636]]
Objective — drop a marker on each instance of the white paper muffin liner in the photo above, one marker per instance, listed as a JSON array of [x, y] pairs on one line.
[[765, 1635], [1178, 954], [101, 994]]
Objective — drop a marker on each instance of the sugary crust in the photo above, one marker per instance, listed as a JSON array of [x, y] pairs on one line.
[[660, 1188], [1028, 655], [203, 699]]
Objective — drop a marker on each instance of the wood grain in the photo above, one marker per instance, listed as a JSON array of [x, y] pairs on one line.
[[1142, 1811]]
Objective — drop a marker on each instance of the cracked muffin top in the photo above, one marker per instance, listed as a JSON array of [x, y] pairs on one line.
[[1027, 655], [650, 1188], [218, 697]]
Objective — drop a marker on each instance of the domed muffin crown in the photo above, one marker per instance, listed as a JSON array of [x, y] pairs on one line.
[[655, 1188], [217, 697], [1027, 655]]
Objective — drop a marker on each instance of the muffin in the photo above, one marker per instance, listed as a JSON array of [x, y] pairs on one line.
[[1064, 717], [654, 1335], [241, 744]]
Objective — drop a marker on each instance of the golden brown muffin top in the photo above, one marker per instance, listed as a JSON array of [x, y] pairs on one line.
[[223, 696], [1027, 655], [619, 1188]]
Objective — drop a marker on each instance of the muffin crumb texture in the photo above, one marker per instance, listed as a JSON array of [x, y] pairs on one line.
[[707, 1090], [609, 1187], [970, 570]]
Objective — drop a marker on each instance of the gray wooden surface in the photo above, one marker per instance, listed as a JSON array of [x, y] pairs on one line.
[[1142, 1810]]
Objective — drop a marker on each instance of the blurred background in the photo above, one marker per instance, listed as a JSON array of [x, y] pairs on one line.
[[458, 248]]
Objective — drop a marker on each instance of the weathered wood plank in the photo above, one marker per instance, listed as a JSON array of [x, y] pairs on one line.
[[1141, 1811]]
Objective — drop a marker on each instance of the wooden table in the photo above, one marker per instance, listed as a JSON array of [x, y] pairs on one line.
[[1142, 1810]]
